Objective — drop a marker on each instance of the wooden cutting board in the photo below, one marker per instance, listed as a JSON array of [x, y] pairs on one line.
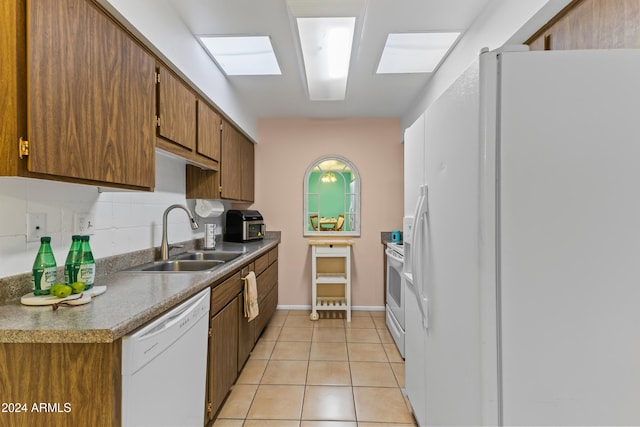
[[73, 299]]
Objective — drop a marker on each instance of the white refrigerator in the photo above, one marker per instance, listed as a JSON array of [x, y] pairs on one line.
[[523, 289]]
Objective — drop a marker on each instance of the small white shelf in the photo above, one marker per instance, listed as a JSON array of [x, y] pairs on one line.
[[331, 303], [330, 276]]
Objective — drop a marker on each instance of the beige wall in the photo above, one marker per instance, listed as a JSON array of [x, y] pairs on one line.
[[286, 147]]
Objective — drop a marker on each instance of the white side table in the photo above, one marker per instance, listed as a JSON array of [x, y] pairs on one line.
[[330, 276]]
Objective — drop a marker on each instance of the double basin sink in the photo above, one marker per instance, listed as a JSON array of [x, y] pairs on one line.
[[191, 261]]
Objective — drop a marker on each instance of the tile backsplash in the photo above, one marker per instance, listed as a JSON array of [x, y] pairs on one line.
[[124, 221]]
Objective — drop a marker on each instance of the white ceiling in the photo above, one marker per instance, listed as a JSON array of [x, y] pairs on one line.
[[368, 94]]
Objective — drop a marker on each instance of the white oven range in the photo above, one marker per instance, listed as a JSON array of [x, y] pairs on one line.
[[395, 293]]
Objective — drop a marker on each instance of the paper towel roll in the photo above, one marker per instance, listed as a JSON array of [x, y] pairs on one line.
[[209, 208]]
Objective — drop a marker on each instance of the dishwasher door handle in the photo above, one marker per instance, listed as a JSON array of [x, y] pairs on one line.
[[174, 317], [144, 345]]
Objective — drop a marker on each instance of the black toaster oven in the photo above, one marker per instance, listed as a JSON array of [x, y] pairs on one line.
[[244, 226]]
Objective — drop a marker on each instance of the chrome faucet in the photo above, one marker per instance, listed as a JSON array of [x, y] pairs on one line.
[[164, 246]]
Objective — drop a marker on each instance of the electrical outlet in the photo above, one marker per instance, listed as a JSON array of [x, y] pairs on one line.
[[36, 226], [83, 223]]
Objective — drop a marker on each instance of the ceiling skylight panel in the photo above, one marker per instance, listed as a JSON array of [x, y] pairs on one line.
[[414, 52], [326, 50], [242, 55]]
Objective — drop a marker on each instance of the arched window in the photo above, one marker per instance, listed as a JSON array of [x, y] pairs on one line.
[[331, 198]]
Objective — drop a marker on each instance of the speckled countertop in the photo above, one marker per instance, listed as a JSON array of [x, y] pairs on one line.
[[131, 300]]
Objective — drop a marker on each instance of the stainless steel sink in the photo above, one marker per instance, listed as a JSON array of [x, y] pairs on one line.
[[188, 261], [213, 255], [174, 265]]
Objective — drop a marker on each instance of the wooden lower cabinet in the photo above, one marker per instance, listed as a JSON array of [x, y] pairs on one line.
[[249, 332], [267, 308], [55, 385], [80, 384], [223, 356], [232, 336], [246, 329], [267, 283], [246, 335]]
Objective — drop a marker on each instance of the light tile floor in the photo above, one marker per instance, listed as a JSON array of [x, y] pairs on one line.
[[327, 373]]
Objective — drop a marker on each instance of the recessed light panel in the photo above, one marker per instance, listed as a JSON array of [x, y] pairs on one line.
[[326, 51], [242, 55], [414, 52]]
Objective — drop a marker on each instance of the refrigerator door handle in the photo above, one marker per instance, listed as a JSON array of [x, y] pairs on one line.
[[416, 219], [424, 308], [422, 210], [419, 276], [414, 236]]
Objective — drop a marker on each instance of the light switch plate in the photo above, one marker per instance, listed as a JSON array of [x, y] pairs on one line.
[[36, 226]]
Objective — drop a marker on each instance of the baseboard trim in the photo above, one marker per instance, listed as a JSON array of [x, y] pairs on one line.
[[353, 308]]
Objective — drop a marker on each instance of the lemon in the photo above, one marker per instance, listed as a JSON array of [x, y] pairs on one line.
[[77, 287], [61, 290]]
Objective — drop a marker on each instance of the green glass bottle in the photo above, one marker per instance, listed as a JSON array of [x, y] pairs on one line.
[[71, 265], [87, 265], [45, 270]]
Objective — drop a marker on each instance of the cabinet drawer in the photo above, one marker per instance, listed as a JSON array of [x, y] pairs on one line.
[[332, 250], [267, 280], [225, 292], [261, 264], [273, 255], [246, 269]]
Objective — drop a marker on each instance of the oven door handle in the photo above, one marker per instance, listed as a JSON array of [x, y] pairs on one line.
[[392, 254]]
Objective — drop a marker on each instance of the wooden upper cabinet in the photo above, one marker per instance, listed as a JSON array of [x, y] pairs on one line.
[[209, 132], [247, 157], [202, 184], [12, 86], [231, 163], [176, 111], [205, 183], [90, 97], [591, 24], [237, 165], [187, 126], [235, 180]]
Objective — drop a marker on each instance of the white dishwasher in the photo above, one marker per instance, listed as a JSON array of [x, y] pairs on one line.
[[164, 367]]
